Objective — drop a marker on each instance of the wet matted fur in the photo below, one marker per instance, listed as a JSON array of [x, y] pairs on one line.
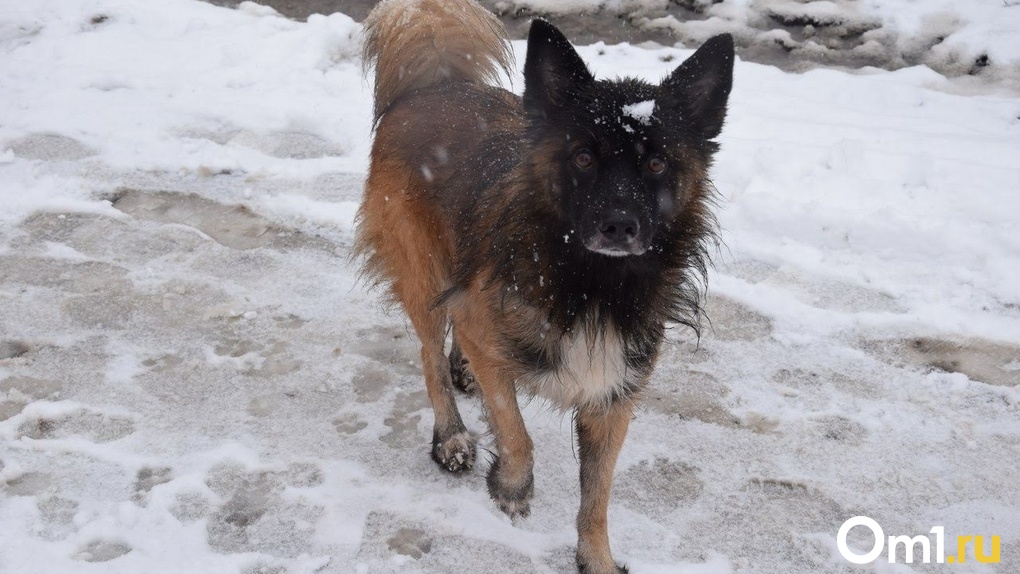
[[558, 232]]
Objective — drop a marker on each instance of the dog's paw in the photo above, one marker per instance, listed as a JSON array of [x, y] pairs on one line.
[[512, 497], [596, 559], [462, 377], [584, 568], [516, 509], [456, 453]]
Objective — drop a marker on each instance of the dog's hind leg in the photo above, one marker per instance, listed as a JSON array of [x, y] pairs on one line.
[[453, 448], [407, 250], [600, 434], [460, 371]]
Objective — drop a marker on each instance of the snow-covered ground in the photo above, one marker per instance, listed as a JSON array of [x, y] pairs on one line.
[[193, 380], [978, 39]]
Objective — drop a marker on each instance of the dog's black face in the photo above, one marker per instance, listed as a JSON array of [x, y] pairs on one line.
[[622, 157], [616, 185]]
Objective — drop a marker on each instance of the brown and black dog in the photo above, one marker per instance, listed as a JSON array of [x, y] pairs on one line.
[[558, 232]]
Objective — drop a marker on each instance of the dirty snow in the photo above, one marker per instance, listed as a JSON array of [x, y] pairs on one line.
[[192, 378]]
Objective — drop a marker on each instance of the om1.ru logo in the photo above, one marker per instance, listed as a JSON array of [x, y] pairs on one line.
[[909, 544]]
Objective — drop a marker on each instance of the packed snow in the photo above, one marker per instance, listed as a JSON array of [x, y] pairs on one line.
[[194, 379], [977, 39], [641, 111]]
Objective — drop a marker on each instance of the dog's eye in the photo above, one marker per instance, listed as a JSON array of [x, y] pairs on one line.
[[656, 165], [584, 160]]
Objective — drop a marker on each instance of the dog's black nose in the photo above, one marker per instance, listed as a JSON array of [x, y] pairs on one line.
[[619, 228], [617, 234]]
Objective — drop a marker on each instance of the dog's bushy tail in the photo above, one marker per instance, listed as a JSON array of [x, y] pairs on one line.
[[417, 44]]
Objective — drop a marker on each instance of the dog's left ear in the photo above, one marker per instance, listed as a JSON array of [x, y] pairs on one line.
[[700, 87], [553, 72]]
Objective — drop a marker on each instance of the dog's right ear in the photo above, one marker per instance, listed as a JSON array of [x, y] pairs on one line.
[[700, 87], [553, 72]]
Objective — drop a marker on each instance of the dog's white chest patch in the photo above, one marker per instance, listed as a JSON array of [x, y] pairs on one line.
[[590, 369]]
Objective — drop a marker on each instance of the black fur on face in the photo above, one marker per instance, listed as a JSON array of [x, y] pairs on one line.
[[623, 153], [616, 171]]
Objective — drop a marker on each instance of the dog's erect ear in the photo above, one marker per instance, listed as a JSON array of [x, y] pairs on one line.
[[700, 87], [553, 72]]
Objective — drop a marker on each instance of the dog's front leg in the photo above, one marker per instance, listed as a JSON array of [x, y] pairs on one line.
[[600, 434], [511, 480]]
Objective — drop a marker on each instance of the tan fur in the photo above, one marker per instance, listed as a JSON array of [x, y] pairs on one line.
[[415, 45], [600, 434], [409, 250]]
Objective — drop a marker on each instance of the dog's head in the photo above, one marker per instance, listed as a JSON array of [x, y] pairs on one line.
[[622, 159]]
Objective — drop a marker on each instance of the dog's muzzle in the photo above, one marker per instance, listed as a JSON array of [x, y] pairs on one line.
[[617, 235]]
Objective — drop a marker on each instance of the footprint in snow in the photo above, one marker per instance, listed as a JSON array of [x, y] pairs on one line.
[[94, 426], [49, 147], [147, 479], [255, 516], [102, 551]]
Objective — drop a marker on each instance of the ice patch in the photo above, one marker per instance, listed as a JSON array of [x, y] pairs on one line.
[[339, 214]]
